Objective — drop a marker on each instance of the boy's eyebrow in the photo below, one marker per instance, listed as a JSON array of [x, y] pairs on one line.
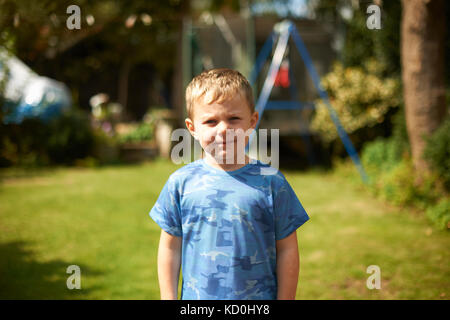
[[208, 116], [205, 117]]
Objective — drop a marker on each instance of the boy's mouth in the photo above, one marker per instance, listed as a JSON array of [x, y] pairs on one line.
[[224, 142]]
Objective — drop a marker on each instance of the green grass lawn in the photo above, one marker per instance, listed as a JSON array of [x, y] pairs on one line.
[[98, 219]]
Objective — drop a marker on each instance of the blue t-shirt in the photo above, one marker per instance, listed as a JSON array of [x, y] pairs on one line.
[[229, 222]]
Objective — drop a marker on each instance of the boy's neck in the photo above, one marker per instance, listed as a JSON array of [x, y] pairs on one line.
[[225, 166]]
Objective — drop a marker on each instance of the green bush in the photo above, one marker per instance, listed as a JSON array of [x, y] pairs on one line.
[[142, 132], [69, 137], [437, 152], [106, 149], [63, 140], [399, 187], [381, 154], [439, 214], [391, 177], [361, 97]]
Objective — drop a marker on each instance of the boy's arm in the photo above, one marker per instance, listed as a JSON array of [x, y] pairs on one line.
[[287, 267], [169, 261]]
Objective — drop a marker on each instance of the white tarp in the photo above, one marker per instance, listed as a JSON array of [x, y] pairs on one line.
[[29, 95]]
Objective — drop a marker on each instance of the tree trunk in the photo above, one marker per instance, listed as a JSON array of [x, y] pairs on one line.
[[422, 54]]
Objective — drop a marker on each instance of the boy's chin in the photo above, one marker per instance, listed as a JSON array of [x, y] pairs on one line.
[[222, 158]]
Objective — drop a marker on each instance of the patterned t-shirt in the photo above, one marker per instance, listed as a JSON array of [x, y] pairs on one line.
[[229, 222]]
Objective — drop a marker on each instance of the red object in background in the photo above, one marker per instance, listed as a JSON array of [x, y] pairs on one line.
[[282, 78]]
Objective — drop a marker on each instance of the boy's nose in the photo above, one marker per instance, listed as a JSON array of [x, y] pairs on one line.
[[223, 126], [222, 130]]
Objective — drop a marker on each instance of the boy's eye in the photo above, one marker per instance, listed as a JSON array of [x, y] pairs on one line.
[[213, 121]]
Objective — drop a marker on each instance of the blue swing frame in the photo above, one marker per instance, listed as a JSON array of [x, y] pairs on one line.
[[264, 103]]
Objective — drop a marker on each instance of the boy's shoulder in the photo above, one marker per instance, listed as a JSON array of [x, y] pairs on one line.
[[192, 168]]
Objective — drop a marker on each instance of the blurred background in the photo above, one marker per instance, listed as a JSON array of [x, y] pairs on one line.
[[90, 92]]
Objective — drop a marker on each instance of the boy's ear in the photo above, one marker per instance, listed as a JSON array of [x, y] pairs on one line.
[[190, 126], [255, 117]]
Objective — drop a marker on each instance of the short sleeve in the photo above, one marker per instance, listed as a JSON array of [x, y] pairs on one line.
[[288, 210], [166, 211]]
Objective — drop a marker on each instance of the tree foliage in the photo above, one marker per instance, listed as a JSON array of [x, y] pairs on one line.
[[112, 33]]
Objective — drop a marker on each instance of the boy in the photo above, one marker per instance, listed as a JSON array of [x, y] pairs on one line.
[[230, 228]]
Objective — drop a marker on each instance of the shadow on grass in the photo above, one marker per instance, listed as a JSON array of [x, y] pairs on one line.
[[23, 277]]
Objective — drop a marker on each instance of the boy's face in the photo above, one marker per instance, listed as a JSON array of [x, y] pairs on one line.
[[211, 122]]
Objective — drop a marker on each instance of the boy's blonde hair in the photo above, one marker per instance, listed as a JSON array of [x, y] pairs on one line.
[[218, 85]]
